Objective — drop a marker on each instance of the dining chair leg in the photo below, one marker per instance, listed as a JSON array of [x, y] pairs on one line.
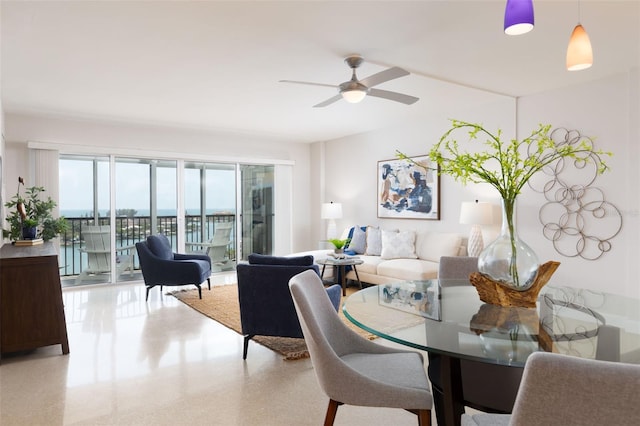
[[424, 417], [332, 409]]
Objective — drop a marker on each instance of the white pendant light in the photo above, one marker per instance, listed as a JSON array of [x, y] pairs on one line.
[[579, 52]]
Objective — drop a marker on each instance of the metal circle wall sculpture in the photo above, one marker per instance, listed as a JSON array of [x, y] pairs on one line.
[[576, 217]]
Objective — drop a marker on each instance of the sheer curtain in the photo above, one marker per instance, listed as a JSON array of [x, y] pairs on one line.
[[46, 174]]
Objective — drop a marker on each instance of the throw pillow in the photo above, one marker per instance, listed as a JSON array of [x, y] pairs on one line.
[[358, 241], [398, 245], [262, 259], [374, 241]]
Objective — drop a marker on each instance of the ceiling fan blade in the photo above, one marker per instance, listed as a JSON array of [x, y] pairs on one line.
[[382, 76], [308, 83], [329, 101], [393, 96]]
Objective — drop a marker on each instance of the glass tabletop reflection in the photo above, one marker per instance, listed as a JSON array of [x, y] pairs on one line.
[[448, 317]]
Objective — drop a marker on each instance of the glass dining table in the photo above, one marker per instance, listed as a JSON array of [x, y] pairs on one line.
[[477, 351]]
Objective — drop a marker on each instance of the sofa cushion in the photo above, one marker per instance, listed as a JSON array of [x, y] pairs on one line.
[[262, 259], [432, 245], [358, 241], [408, 269], [397, 245], [160, 246], [374, 241], [370, 264]]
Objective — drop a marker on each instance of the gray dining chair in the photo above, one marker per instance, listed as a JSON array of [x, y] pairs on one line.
[[457, 267], [351, 369], [566, 390]]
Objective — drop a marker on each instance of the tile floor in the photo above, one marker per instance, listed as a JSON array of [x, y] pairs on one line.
[[162, 363]]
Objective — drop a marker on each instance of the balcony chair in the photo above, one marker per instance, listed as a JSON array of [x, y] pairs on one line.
[[161, 266], [217, 248], [266, 307], [351, 369], [97, 247], [570, 391]]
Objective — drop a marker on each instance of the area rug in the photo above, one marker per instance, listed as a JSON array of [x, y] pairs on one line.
[[221, 304]]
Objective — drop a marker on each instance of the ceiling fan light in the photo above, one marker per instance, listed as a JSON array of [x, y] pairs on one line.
[[353, 96], [518, 17], [579, 52]]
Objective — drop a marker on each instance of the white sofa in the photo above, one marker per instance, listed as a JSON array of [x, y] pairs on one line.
[[386, 268]]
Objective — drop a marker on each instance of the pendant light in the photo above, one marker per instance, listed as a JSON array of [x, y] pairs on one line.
[[518, 17], [579, 52]]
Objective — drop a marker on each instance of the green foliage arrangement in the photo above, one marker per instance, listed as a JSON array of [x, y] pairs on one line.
[[338, 243], [32, 211], [506, 165]]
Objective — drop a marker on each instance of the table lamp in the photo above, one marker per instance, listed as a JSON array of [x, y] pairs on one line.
[[475, 214], [331, 211]]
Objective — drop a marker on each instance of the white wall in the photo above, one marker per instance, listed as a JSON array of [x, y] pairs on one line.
[[351, 167], [76, 135], [606, 110]]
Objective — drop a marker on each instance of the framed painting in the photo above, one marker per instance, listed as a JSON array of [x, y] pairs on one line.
[[408, 189]]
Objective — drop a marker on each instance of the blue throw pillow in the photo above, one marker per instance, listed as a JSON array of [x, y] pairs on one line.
[[262, 259], [358, 241]]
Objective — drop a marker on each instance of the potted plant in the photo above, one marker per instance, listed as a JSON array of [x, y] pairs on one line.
[[32, 216], [339, 244], [507, 166]]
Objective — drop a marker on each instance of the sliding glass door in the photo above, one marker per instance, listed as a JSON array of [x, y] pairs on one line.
[[210, 212], [221, 202], [257, 209]]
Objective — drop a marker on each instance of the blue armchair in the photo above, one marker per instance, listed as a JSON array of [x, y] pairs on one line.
[[161, 266], [266, 306]]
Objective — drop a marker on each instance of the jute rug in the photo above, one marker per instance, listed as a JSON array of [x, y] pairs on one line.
[[221, 304]]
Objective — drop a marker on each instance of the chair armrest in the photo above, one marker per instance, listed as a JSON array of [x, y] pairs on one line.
[[191, 256], [84, 250]]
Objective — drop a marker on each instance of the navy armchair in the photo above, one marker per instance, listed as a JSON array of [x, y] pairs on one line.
[[266, 306], [161, 266]]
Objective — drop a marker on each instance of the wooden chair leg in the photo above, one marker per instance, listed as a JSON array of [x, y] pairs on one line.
[[332, 409], [424, 417]]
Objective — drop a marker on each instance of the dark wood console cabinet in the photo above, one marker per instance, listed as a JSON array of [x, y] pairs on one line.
[[31, 307]]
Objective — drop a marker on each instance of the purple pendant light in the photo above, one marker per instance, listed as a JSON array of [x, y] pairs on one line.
[[518, 17]]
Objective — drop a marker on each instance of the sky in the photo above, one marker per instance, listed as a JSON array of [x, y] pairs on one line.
[[132, 186]]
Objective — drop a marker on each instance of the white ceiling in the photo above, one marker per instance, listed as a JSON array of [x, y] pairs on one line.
[[216, 65]]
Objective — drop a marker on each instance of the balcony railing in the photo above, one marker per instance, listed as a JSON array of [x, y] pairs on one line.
[[130, 230]]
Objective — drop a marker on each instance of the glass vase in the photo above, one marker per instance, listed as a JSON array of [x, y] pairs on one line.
[[509, 260]]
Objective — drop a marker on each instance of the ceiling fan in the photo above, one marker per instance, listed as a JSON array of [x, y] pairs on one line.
[[355, 90]]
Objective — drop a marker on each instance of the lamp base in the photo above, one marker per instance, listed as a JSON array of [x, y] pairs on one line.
[[476, 243], [332, 230]]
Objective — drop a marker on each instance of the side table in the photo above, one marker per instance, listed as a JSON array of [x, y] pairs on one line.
[[339, 269]]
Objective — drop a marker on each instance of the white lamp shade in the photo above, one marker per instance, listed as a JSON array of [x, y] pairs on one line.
[[579, 52], [476, 213], [331, 211]]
